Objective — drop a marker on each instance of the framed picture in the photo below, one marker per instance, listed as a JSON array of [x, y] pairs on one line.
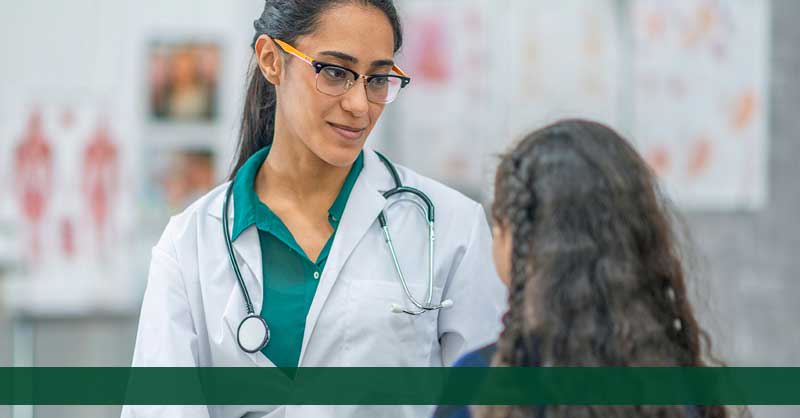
[[183, 81], [179, 176]]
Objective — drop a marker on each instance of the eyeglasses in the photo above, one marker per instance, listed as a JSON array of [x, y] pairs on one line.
[[335, 80]]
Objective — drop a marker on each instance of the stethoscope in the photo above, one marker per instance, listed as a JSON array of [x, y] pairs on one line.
[[253, 333]]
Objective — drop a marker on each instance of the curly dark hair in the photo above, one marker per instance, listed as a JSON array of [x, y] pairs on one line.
[[596, 279]]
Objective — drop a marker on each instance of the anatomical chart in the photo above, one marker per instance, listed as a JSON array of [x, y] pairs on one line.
[[66, 192], [700, 98]]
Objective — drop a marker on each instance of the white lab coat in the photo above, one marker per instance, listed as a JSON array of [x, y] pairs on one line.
[[193, 305]]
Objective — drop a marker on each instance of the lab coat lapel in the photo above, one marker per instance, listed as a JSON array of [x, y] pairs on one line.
[[247, 246], [247, 249], [361, 213]]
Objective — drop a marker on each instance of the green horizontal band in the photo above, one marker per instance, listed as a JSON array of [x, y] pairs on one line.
[[399, 386]]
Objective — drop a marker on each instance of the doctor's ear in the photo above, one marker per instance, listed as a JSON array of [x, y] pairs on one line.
[[270, 61]]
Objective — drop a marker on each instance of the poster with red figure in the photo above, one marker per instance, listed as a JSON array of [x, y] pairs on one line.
[[100, 180], [63, 164], [684, 80], [33, 182], [699, 98]]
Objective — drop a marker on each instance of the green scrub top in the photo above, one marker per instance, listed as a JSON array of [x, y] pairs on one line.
[[290, 278]]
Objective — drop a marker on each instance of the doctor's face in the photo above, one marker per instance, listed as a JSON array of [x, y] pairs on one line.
[[334, 128]]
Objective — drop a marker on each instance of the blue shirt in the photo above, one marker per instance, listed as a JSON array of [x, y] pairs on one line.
[[483, 358]]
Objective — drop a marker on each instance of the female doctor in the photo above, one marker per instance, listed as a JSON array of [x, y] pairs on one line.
[[310, 277]]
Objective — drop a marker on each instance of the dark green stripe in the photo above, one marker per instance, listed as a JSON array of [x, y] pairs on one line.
[[399, 386]]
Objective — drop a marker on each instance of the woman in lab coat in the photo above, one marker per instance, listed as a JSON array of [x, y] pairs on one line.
[[304, 204]]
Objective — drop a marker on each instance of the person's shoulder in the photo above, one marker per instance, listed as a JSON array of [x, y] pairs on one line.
[[449, 199], [481, 357], [185, 224], [209, 203]]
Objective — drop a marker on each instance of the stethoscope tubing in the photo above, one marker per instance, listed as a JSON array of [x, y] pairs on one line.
[[427, 212], [231, 256]]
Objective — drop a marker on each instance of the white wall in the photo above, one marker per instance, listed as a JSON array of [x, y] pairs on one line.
[[94, 52]]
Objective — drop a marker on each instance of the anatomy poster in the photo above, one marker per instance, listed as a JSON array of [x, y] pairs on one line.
[[66, 193], [700, 98]]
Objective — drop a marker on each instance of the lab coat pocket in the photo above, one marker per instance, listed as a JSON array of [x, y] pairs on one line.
[[377, 336]]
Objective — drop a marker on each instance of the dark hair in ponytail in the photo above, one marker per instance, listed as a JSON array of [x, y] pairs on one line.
[[596, 277], [286, 20]]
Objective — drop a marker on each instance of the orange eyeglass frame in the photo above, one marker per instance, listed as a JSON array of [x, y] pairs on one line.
[[294, 51]]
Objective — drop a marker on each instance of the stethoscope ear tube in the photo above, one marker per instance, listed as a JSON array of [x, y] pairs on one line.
[[403, 189], [427, 212]]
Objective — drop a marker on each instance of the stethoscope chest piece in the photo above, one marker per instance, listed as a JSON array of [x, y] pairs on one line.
[[253, 334]]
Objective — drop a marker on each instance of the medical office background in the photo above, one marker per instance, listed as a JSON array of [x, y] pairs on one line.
[[115, 115]]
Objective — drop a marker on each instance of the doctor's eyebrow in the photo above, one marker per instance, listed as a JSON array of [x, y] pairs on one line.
[[353, 60]]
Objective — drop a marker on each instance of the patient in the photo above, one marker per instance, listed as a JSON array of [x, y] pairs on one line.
[[584, 242]]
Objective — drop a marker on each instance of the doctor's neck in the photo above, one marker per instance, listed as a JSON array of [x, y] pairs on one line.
[[291, 168]]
